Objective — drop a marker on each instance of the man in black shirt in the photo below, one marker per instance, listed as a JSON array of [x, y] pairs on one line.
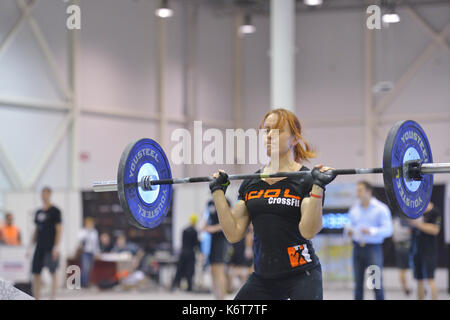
[[186, 262], [46, 236], [424, 249]]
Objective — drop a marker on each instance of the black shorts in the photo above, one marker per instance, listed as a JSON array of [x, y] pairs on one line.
[[43, 258], [240, 261], [424, 266], [305, 285], [219, 251], [402, 257], [238, 258]]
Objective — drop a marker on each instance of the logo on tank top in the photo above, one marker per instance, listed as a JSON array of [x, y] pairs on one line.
[[275, 196], [299, 255]]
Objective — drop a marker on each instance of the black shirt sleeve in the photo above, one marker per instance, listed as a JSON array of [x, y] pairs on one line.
[[434, 217], [57, 216], [243, 187], [213, 218], [241, 193], [35, 216], [197, 241]]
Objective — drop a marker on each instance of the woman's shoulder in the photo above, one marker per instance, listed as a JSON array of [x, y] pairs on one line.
[[246, 182], [306, 178]]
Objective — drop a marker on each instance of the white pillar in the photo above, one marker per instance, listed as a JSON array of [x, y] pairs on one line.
[[75, 138], [161, 81], [370, 117], [282, 54]]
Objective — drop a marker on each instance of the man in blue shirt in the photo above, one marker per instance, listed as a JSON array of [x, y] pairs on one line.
[[370, 223]]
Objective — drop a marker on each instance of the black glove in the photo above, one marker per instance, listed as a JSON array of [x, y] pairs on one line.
[[220, 183], [322, 178]]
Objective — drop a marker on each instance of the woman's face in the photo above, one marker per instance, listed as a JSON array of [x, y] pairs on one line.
[[286, 141]]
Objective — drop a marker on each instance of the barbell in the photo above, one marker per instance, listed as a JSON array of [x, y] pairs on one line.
[[144, 179]]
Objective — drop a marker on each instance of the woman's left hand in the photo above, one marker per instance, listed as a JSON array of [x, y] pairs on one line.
[[322, 175]]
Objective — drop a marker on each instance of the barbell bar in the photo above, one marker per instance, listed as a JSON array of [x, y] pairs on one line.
[[148, 181], [144, 180]]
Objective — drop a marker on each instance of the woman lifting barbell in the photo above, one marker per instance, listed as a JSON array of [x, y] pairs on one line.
[[285, 212]]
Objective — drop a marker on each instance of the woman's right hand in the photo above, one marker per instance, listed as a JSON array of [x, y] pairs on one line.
[[220, 182]]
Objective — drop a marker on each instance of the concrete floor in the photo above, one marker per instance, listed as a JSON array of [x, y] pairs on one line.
[[332, 291], [330, 294]]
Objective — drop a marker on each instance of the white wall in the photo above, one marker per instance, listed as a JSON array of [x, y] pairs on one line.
[[117, 73], [118, 50]]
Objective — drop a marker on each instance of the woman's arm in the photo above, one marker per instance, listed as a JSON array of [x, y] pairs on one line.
[[311, 209], [234, 221]]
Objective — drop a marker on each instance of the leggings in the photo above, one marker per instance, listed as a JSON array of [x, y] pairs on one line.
[[305, 285]]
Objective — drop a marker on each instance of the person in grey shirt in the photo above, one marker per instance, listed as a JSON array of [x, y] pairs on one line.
[[89, 245]]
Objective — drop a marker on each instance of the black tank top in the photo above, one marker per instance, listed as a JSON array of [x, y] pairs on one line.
[[279, 248]]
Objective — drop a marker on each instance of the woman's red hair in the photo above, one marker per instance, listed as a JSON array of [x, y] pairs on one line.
[[302, 151]]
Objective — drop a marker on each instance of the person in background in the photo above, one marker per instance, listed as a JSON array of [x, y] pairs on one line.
[[218, 251], [241, 260], [370, 224], [205, 240], [186, 262], [402, 242], [143, 268], [122, 245], [89, 245], [201, 273], [424, 249], [9, 233], [47, 237], [105, 243]]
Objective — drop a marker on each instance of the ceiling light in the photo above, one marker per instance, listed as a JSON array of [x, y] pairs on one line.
[[389, 15], [312, 2], [391, 18], [164, 11], [247, 27]]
